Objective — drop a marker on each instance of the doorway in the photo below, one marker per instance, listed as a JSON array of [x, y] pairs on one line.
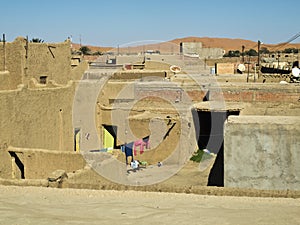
[[77, 139], [18, 170], [109, 137], [211, 137]]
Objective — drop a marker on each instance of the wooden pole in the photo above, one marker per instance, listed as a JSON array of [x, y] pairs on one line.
[[258, 59], [4, 53], [243, 52]]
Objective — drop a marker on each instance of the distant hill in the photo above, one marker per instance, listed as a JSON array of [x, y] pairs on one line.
[[207, 42], [93, 48], [233, 44]]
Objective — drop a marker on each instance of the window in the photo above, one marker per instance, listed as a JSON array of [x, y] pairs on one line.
[[43, 79]]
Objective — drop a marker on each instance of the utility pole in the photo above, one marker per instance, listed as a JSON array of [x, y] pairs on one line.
[[248, 73], [258, 59], [4, 54], [278, 57], [243, 56]]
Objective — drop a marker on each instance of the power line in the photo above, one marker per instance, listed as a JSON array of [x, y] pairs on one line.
[[287, 42]]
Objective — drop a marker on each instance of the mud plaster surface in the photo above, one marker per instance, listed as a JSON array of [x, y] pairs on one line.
[[36, 205]]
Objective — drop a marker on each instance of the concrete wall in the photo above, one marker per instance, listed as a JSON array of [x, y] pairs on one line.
[[211, 53], [190, 47], [262, 152]]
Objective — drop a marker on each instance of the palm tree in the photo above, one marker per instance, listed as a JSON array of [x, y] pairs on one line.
[[37, 40]]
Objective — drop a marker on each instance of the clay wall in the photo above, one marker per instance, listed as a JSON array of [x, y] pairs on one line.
[[12, 59], [224, 68], [5, 165], [40, 59], [39, 163], [37, 118], [137, 74], [51, 60]]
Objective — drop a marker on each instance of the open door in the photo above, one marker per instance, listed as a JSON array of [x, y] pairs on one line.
[[109, 137], [77, 139]]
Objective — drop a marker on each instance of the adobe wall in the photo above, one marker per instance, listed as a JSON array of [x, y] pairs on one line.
[[137, 74], [38, 163], [51, 60], [224, 68], [41, 59], [5, 165], [262, 152], [37, 118], [14, 63]]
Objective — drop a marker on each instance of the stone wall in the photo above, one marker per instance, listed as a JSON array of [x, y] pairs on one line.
[[262, 152]]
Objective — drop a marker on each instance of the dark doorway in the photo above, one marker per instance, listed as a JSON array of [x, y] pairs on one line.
[[18, 163], [211, 137]]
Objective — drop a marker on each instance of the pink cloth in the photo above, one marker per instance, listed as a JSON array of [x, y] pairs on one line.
[[141, 144]]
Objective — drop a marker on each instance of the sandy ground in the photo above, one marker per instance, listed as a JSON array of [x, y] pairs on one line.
[[37, 205]]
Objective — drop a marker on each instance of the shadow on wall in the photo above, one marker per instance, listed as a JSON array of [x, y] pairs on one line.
[[211, 136]]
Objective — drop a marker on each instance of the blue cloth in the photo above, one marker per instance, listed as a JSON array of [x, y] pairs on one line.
[[128, 151]]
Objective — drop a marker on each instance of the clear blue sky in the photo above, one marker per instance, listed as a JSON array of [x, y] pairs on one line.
[[113, 22]]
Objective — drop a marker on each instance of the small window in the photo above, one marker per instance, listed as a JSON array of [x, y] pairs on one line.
[[43, 79]]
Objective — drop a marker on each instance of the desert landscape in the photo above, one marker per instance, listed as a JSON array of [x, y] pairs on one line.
[[150, 112], [61, 152], [207, 42]]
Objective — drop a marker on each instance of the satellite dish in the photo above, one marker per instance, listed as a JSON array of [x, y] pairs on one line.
[[175, 69], [241, 67]]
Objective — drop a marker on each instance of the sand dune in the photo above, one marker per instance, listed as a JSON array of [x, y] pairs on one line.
[[207, 42]]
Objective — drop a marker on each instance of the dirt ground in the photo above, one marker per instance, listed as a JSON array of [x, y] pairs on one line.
[[38, 205]]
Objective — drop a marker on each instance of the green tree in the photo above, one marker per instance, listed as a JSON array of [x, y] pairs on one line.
[[85, 50], [37, 40], [264, 50], [290, 50], [97, 53], [251, 52], [232, 53]]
